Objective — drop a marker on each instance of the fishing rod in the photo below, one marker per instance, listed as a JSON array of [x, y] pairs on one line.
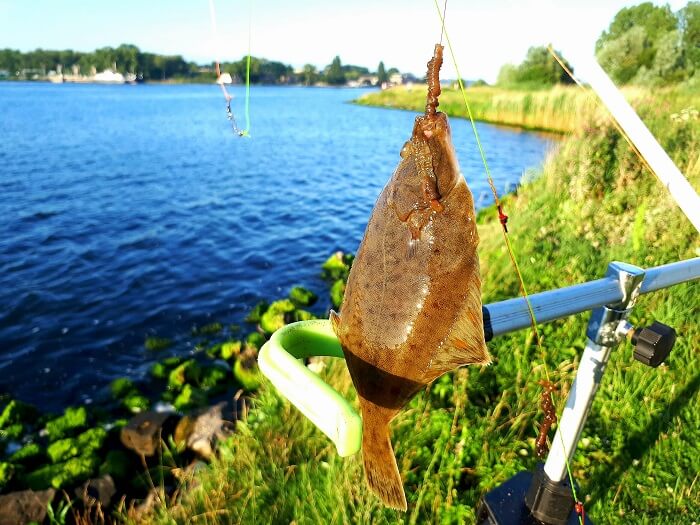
[[546, 493]]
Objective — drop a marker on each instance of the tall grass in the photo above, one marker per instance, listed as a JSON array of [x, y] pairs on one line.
[[639, 457]]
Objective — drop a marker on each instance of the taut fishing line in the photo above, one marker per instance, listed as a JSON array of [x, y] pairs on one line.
[[548, 387], [222, 81]]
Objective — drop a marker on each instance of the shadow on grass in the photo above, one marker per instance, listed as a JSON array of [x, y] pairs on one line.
[[638, 443]]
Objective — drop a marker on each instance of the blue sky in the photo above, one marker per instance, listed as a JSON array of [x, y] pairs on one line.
[[485, 33]]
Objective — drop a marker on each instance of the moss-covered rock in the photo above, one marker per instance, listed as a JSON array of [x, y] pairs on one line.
[[302, 296], [6, 473], [31, 453], [12, 432], [208, 329], [156, 344], [17, 412], [61, 475], [255, 340], [230, 349], [161, 369], [257, 312], [118, 464], [337, 293], [86, 443], [275, 316], [335, 267], [187, 372], [189, 398], [73, 420], [303, 315], [246, 370], [213, 378], [121, 387], [136, 402]]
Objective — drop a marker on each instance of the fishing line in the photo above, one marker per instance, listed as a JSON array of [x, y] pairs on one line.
[[503, 219], [229, 113]]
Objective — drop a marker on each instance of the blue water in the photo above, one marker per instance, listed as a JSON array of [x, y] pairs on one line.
[[128, 211]]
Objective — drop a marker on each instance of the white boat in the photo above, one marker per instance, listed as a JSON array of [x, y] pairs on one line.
[[109, 77]]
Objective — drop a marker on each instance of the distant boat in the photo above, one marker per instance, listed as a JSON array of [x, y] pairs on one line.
[[109, 77]]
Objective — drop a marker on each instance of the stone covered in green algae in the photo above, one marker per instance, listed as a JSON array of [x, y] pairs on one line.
[[302, 297], [6, 473], [189, 398], [17, 412], [118, 464], [337, 293], [246, 370], [257, 312], [61, 475], [255, 340], [230, 349], [303, 315], [156, 344], [274, 318], [30, 453], [213, 378], [163, 368], [70, 423], [85, 444], [136, 402], [337, 266], [187, 372], [208, 329], [12, 432], [121, 387]]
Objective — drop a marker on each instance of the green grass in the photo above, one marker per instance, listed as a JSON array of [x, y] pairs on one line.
[[639, 458]]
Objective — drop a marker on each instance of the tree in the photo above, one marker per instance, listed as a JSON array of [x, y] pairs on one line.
[[689, 24], [656, 21], [309, 75], [539, 69], [622, 57], [334, 73], [382, 75]]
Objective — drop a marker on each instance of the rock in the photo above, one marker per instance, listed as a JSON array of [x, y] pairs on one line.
[[136, 403], [30, 454], [24, 507], [85, 444], [11, 432], [202, 430], [246, 370], [302, 297], [71, 422], [17, 412], [303, 315], [256, 340], [121, 387], [230, 349], [189, 371], [6, 473], [156, 344], [144, 432], [162, 369], [189, 398], [256, 313], [337, 293], [335, 267], [208, 329], [275, 316], [96, 490], [62, 475], [214, 378]]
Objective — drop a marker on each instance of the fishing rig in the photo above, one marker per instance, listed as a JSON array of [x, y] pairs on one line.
[[543, 496]]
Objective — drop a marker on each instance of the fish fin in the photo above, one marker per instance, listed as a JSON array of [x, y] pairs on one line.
[[381, 470], [335, 322], [466, 344]]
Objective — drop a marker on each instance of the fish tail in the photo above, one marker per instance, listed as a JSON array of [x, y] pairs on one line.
[[381, 469]]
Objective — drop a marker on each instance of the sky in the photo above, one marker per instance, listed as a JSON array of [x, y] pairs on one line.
[[485, 33]]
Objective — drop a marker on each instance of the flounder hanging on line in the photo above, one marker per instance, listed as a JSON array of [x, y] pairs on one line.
[[412, 306]]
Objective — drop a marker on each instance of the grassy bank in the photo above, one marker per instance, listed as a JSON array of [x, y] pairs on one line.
[[472, 429], [559, 110]]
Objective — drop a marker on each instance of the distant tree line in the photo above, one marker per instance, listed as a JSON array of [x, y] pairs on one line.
[[539, 69], [150, 66]]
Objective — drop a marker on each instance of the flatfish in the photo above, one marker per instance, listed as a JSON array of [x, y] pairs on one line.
[[412, 308]]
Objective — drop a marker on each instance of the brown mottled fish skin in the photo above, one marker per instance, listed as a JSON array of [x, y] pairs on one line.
[[412, 306]]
